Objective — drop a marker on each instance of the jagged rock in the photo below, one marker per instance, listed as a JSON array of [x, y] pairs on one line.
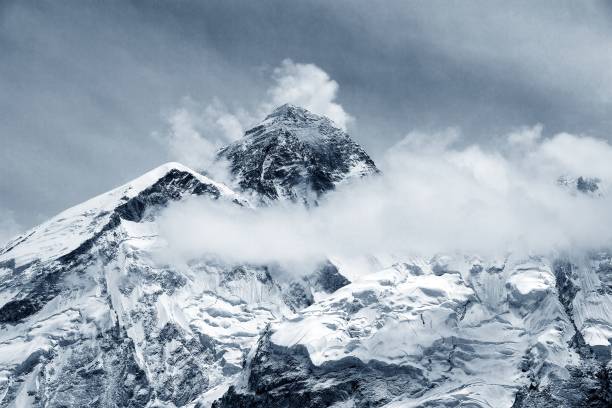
[[328, 279], [283, 378], [583, 185], [587, 185]]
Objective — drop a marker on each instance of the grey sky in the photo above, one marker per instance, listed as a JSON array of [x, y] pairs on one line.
[[84, 85]]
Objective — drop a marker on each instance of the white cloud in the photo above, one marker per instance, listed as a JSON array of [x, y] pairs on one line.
[[185, 142], [525, 137], [427, 201], [196, 133], [308, 86], [424, 141], [581, 155]]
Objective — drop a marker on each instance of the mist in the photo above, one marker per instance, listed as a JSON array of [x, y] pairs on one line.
[[431, 198]]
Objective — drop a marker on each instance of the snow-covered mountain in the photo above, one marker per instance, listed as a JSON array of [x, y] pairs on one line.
[[90, 315]]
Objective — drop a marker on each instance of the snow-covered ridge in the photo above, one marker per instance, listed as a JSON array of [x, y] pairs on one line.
[[70, 228]]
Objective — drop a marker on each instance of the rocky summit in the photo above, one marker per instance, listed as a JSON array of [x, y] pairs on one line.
[[91, 316], [296, 155]]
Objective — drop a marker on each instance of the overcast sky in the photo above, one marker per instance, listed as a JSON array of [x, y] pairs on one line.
[[89, 90]]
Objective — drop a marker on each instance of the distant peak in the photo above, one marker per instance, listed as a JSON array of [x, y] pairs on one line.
[[585, 185]]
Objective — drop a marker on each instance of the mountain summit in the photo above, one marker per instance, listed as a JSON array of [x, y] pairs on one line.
[[297, 155]]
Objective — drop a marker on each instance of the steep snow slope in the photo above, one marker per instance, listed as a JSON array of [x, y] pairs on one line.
[[297, 155]]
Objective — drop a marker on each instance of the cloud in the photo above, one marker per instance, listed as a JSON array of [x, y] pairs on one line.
[[196, 133], [581, 155], [525, 137], [437, 141], [428, 201], [308, 86]]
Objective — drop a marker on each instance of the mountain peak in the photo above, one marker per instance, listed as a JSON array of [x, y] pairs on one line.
[[289, 110], [294, 153], [285, 109], [293, 116]]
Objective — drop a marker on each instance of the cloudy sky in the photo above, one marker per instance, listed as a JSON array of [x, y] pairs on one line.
[[93, 93]]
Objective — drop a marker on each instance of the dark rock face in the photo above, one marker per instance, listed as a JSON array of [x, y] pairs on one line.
[[590, 383], [16, 310], [97, 372], [171, 187], [297, 155], [37, 291], [246, 272], [329, 278], [584, 185], [33, 295], [326, 278], [563, 270], [588, 386], [297, 296], [285, 378], [587, 185]]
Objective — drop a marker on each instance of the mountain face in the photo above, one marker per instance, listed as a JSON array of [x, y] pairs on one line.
[[90, 315], [297, 155]]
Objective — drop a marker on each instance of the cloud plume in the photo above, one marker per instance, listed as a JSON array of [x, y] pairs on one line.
[[308, 86], [196, 133], [432, 198]]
